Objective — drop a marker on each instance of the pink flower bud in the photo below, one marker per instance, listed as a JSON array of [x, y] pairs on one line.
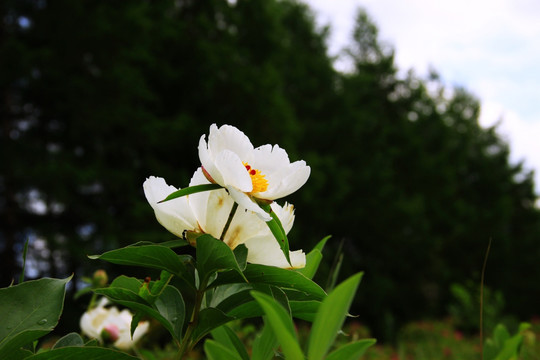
[[110, 333]]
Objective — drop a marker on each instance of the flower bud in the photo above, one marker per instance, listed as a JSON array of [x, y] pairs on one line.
[[110, 333], [100, 279]]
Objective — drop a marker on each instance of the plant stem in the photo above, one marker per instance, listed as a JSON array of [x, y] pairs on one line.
[[187, 342], [229, 220]]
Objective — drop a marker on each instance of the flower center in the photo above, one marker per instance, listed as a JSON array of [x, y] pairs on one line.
[[258, 180]]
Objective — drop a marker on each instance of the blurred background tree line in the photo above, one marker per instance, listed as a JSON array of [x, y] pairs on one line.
[[95, 96]]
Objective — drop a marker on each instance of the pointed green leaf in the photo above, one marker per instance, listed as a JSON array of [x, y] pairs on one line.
[[277, 230], [223, 295], [171, 244], [27, 317], [305, 310], [264, 344], [228, 338], [313, 259], [282, 278], [214, 255], [242, 305], [71, 339], [217, 351], [352, 351], [151, 256], [169, 308], [78, 353], [281, 324], [330, 317], [320, 245], [240, 253], [209, 319], [170, 305], [191, 190]]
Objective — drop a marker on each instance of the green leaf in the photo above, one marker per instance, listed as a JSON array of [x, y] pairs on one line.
[[78, 353], [171, 244], [191, 190], [277, 230], [169, 311], [209, 319], [240, 253], [283, 278], [217, 351], [510, 349], [151, 256], [71, 339], [242, 305], [228, 338], [313, 259], [330, 317], [500, 335], [281, 324], [305, 310], [214, 255], [26, 316], [281, 298], [230, 293], [264, 344], [351, 351], [126, 282], [171, 306], [320, 245]]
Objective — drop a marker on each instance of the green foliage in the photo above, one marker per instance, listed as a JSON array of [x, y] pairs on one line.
[[503, 346], [328, 321], [168, 308], [465, 308], [281, 324], [214, 256], [27, 317], [330, 317], [225, 336], [71, 339], [223, 287], [77, 353]]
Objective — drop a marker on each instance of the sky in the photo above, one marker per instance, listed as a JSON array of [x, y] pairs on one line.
[[489, 47]]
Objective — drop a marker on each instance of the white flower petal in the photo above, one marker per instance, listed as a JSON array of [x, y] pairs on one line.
[[175, 215], [286, 180], [199, 201], [245, 201], [244, 226], [232, 171], [269, 159], [207, 161], [285, 215], [211, 208], [228, 138], [266, 251]]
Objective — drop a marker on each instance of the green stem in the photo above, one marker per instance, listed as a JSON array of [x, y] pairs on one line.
[[229, 220], [187, 342]]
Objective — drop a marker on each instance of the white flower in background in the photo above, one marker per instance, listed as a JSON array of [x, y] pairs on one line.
[[207, 212], [111, 324], [230, 160]]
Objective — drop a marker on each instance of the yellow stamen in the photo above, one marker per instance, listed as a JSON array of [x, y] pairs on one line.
[[258, 180]]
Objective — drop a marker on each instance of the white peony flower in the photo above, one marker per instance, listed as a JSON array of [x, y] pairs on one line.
[[230, 160], [207, 212], [113, 323]]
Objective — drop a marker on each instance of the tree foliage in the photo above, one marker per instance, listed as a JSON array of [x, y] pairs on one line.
[[97, 96]]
